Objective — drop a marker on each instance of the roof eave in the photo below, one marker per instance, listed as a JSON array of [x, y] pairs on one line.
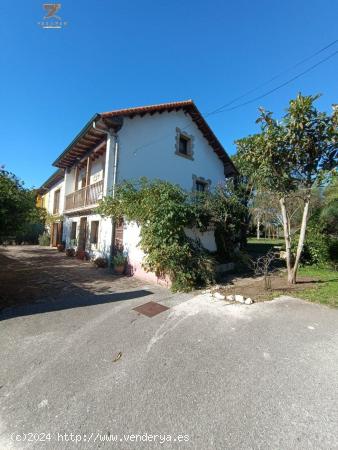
[[77, 137]]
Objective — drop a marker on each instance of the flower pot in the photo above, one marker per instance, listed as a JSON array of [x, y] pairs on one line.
[[119, 269], [81, 254]]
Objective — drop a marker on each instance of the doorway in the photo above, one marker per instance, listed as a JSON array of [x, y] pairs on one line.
[[82, 234], [56, 233]]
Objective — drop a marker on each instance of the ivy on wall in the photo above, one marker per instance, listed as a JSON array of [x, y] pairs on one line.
[[163, 210]]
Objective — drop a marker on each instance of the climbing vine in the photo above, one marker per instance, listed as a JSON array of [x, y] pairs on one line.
[[163, 211]]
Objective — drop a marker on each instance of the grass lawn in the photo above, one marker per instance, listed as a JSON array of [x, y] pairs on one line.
[[326, 290], [323, 290], [257, 247], [269, 241]]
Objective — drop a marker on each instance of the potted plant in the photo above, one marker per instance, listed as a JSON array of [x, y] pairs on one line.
[[119, 263], [82, 254], [61, 247]]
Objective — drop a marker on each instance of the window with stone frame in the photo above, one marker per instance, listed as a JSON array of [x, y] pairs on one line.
[[200, 184], [184, 144]]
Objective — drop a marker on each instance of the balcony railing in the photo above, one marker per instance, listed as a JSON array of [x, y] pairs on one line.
[[87, 196]]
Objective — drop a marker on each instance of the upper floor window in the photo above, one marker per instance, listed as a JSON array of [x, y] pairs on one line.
[[56, 203], [184, 144]]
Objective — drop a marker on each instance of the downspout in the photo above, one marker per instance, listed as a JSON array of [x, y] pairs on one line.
[[111, 135]]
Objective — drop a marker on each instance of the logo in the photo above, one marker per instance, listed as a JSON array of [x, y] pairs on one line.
[[51, 19]]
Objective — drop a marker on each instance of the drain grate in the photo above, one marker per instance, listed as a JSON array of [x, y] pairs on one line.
[[150, 309]]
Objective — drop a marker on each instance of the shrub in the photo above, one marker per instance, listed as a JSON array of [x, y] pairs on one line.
[[333, 251], [70, 252], [44, 239], [30, 233], [316, 245], [163, 210]]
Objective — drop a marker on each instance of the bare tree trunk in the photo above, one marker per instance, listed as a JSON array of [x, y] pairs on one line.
[[287, 238], [258, 228], [301, 238]]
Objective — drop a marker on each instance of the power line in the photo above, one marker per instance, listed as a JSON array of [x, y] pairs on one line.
[[273, 78], [221, 109], [279, 86]]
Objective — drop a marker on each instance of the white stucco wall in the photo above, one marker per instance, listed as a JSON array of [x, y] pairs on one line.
[[206, 238], [147, 148], [135, 255], [96, 174], [102, 248], [50, 202], [131, 240]]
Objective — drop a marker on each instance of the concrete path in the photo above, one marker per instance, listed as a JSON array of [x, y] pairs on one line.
[[200, 375]]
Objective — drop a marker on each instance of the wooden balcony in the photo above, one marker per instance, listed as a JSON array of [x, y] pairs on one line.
[[85, 197]]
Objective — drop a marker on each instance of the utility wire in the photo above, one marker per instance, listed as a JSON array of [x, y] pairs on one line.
[[277, 87], [273, 78], [223, 108]]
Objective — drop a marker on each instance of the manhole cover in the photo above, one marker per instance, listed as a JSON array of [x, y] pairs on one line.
[[150, 309]]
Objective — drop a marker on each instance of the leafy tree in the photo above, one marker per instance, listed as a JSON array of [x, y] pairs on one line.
[[292, 155], [329, 212], [17, 207]]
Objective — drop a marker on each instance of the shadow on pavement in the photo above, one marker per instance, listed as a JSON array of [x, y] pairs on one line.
[[78, 300]]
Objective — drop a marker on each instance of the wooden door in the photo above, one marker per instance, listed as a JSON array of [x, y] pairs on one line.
[[53, 234], [56, 233], [59, 232], [82, 234]]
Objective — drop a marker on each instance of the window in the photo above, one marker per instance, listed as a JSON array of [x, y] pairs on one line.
[[94, 232], [56, 204], [73, 231], [201, 186], [184, 144]]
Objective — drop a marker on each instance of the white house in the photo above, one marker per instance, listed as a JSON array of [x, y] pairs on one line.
[[170, 141]]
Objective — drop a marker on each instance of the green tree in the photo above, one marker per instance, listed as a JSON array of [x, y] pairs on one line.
[[17, 206], [292, 155], [329, 212]]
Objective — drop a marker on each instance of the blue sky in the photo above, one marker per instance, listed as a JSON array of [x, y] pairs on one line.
[[118, 54]]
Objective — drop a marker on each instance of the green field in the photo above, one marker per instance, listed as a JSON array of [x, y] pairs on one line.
[[326, 290], [326, 286], [257, 247]]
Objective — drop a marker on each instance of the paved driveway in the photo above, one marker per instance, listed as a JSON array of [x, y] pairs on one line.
[[206, 374]]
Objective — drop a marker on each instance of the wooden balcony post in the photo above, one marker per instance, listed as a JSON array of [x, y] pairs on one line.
[[87, 178], [76, 181]]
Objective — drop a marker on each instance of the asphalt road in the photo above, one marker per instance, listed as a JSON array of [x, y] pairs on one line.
[[209, 375]]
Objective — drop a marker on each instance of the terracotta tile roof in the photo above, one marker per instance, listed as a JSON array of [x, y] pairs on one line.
[[90, 137], [160, 107]]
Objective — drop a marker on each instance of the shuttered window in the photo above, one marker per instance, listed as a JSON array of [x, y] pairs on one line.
[[94, 231]]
